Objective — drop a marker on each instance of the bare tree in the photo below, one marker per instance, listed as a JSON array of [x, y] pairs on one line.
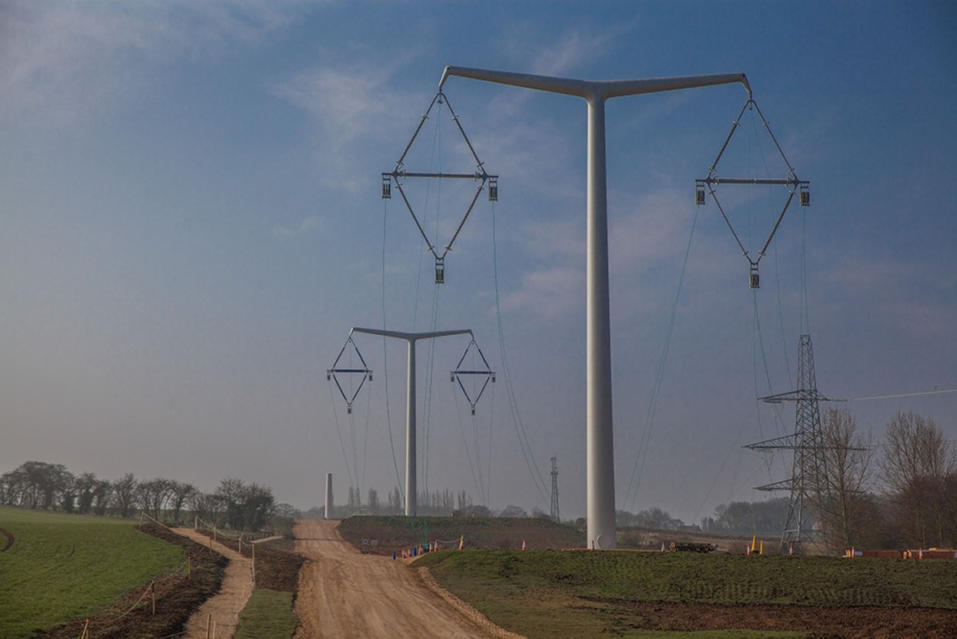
[[101, 496], [124, 495], [180, 492], [153, 496], [915, 468], [38, 484], [258, 506], [248, 507], [207, 507], [85, 486], [842, 502], [230, 493]]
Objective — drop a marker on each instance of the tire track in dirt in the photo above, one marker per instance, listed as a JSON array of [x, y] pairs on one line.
[[9, 537], [343, 593], [224, 607]]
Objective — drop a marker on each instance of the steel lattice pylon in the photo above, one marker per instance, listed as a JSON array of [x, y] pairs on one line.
[[809, 477]]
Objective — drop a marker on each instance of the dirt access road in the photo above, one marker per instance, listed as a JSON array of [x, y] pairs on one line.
[[343, 593], [223, 608]]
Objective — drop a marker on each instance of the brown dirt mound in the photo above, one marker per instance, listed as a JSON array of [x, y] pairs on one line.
[[276, 569]]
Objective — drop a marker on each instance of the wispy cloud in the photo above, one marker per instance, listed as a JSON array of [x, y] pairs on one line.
[[346, 103], [530, 49], [61, 61], [540, 52], [547, 293], [885, 287], [354, 109], [306, 225], [650, 233]]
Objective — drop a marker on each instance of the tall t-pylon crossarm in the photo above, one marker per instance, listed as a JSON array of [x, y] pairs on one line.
[[410, 462], [600, 471]]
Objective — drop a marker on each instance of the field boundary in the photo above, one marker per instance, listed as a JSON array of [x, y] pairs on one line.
[[161, 606]]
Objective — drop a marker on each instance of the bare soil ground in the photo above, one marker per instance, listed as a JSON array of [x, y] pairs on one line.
[[224, 607], [819, 622], [276, 569], [343, 593]]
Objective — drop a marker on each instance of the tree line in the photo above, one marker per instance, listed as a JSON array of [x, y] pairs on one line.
[[234, 504], [898, 492]]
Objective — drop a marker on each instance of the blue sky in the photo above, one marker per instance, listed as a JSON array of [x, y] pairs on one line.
[[192, 224]]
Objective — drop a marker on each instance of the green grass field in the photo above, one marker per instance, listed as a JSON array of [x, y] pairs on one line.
[[63, 567], [268, 614], [587, 594]]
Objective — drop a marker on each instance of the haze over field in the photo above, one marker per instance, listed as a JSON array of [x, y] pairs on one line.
[[192, 223]]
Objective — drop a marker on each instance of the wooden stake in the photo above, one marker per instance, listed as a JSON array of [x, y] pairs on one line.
[[189, 567], [209, 620], [153, 595], [254, 564], [86, 630]]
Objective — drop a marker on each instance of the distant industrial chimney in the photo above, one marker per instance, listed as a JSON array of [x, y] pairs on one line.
[[328, 513]]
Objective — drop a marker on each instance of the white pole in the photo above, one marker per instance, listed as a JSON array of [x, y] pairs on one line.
[[410, 487], [600, 449], [411, 338], [600, 470], [328, 510]]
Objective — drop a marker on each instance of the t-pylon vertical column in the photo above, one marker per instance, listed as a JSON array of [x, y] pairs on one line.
[[410, 488], [600, 436], [328, 510], [600, 432], [411, 339]]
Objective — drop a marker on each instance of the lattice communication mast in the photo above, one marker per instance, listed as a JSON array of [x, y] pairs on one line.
[[554, 514], [809, 480]]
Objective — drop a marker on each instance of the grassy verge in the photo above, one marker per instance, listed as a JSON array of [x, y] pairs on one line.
[[595, 594], [268, 614], [62, 567]]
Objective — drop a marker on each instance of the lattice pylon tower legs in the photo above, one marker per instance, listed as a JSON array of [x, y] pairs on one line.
[[809, 469], [554, 513]]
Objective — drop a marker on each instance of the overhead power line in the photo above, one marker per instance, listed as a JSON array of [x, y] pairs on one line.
[[936, 391]]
